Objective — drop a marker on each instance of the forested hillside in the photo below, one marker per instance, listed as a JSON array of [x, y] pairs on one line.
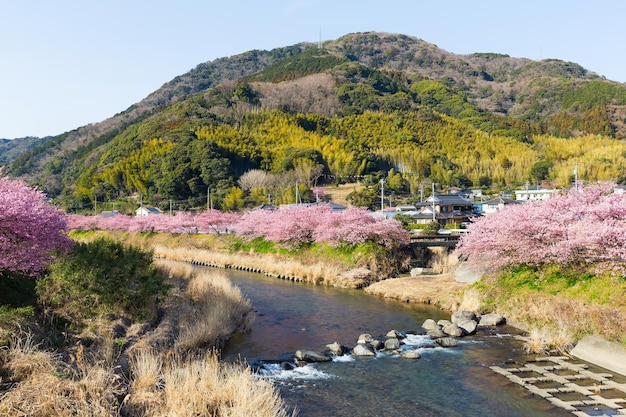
[[365, 107], [11, 149]]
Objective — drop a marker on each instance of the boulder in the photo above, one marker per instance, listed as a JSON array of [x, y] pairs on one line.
[[336, 348], [443, 323], [394, 334], [435, 333], [410, 354], [461, 316], [430, 324], [311, 356], [377, 344], [452, 330], [468, 326], [363, 349], [392, 344], [446, 342], [491, 320], [365, 338]]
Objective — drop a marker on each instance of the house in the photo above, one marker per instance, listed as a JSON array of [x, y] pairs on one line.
[[496, 204], [534, 195], [147, 211], [446, 209]]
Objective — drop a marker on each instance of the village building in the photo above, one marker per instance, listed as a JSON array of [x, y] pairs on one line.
[[147, 211], [496, 204], [445, 209], [534, 195]]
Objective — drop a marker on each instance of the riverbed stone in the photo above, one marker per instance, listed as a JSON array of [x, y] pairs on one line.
[[365, 338], [435, 333], [452, 330], [446, 342], [468, 326], [430, 324], [442, 323], [377, 344], [410, 354], [395, 334], [392, 344], [336, 348], [311, 356], [491, 319], [462, 316], [363, 349]]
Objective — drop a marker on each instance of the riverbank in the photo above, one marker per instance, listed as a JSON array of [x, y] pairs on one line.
[[109, 362], [553, 323]]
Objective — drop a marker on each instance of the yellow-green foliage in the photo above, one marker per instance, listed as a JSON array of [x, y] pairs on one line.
[[418, 145], [446, 150]]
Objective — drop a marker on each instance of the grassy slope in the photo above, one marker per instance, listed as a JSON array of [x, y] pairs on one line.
[[557, 306]]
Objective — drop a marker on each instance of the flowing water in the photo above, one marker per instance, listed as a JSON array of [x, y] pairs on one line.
[[444, 382]]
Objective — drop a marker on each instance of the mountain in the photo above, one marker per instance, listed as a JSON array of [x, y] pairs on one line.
[[364, 106], [11, 149]]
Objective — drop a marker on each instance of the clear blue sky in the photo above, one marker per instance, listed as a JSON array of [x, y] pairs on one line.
[[67, 63]]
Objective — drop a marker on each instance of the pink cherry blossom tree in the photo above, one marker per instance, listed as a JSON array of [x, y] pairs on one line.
[[585, 226], [292, 226], [31, 230]]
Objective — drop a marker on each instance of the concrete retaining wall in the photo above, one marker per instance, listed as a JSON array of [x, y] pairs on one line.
[[611, 356]]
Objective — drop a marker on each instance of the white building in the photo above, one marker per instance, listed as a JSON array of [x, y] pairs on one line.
[[533, 195], [147, 211]]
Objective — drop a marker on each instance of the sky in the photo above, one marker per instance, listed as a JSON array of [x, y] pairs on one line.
[[69, 63]]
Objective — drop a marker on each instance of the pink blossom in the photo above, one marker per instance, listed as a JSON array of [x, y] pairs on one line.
[[302, 224], [588, 225], [31, 229]]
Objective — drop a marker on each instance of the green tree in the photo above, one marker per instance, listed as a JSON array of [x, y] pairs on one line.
[[366, 197], [234, 199], [431, 228], [540, 170]]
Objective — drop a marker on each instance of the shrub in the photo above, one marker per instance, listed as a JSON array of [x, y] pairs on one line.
[[102, 275]]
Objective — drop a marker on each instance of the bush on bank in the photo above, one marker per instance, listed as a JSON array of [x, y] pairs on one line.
[[102, 276]]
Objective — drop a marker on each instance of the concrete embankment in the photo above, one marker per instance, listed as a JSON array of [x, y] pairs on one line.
[[600, 352]]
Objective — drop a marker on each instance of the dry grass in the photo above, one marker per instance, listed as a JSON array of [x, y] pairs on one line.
[[440, 290], [548, 339], [198, 387], [339, 193], [164, 374], [314, 272], [556, 322], [45, 386], [208, 308]]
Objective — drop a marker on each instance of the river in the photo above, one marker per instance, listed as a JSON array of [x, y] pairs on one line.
[[444, 382]]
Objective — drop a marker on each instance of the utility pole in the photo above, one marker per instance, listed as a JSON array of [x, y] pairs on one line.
[[576, 176], [208, 198], [433, 197], [170, 207], [382, 196], [296, 192]]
